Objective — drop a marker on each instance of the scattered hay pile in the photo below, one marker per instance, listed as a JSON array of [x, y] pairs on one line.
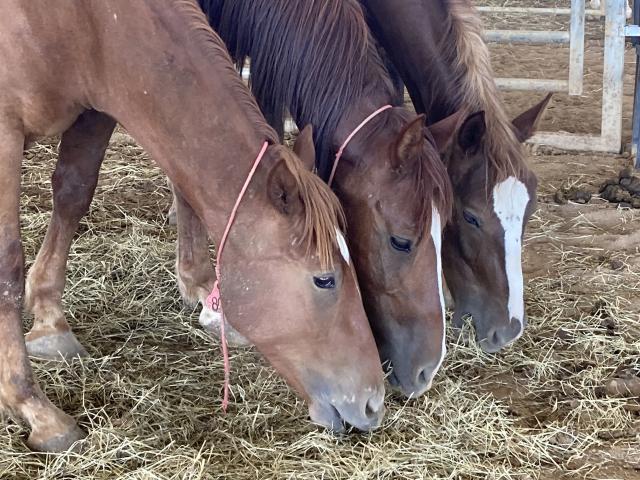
[[150, 394]]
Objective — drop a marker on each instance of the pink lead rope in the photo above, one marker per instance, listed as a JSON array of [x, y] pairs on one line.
[[350, 137], [213, 300]]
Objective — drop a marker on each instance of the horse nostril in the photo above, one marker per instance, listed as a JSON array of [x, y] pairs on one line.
[[502, 336], [369, 410], [517, 326], [495, 339], [375, 405], [424, 379]]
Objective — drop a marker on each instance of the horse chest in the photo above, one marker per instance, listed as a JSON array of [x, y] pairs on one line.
[[45, 115]]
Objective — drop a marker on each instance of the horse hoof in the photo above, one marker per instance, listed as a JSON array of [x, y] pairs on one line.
[[57, 442], [58, 346], [210, 321]]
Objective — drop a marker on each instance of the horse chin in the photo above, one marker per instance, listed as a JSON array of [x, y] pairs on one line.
[[407, 391], [327, 416], [482, 332], [458, 317], [488, 348], [336, 417], [458, 321]]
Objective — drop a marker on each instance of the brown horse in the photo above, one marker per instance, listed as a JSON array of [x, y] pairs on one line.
[[318, 61], [156, 67], [437, 48]]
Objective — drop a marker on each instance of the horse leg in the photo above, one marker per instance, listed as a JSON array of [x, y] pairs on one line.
[[74, 181], [194, 271], [51, 429], [172, 216]]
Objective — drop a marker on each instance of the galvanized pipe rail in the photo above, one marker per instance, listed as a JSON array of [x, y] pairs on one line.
[[633, 31], [539, 37], [536, 11], [610, 138], [574, 37]]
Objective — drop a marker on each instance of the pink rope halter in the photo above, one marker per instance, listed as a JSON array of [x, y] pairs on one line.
[[350, 137], [213, 301]]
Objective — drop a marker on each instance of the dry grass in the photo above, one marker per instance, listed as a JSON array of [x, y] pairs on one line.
[[150, 394]]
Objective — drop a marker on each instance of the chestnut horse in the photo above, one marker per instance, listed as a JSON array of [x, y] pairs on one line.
[[318, 61], [156, 67], [437, 48]]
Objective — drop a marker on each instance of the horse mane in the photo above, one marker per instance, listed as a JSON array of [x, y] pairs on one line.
[[432, 184], [475, 89], [315, 58], [323, 214], [213, 48]]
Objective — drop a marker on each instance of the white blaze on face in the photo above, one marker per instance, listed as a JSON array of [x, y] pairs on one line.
[[342, 245], [436, 235], [510, 200]]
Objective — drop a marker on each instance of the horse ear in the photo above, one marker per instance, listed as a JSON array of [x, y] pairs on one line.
[[410, 143], [526, 123], [442, 131], [282, 190], [472, 131], [305, 149]]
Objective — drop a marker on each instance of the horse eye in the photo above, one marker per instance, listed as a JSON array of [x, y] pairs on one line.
[[471, 219], [401, 244], [325, 282]]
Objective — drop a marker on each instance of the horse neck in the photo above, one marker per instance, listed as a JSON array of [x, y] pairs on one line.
[[330, 91], [180, 105], [412, 35], [376, 95]]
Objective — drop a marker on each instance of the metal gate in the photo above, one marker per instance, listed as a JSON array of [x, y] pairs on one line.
[[610, 138]]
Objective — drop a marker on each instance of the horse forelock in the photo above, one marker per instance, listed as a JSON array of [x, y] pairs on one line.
[[433, 189], [473, 88], [213, 48], [323, 216], [314, 58], [429, 179]]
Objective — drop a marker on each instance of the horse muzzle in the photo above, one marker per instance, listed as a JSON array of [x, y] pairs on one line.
[[363, 412]]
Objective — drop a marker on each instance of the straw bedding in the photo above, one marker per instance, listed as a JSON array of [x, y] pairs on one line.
[[150, 394]]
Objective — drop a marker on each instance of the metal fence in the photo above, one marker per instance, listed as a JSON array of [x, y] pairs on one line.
[[633, 31], [610, 138]]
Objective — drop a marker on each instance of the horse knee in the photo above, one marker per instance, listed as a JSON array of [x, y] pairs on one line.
[[72, 200]]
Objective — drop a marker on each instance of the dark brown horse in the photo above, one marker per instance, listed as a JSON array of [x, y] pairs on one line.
[[437, 48], [156, 67], [317, 60]]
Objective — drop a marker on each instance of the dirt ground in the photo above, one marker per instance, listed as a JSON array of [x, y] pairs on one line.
[[149, 396]]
